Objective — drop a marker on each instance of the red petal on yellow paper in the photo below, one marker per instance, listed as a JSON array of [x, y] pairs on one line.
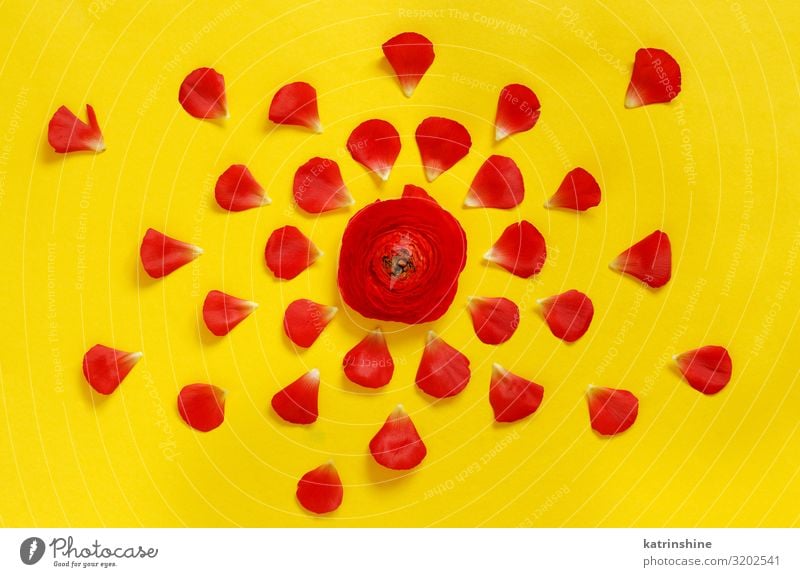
[[656, 78], [320, 490], [162, 254], [67, 133], [397, 445], [222, 312], [410, 55], [707, 369], [376, 145], [202, 406], [105, 368], [237, 190], [521, 250], [298, 402], [296, 104], [649, 260], [578, 191], [518, 110], [370, 363], [512, 397], [318, 186], [498, 184], [411, 191], [305, 320], [494, 319], [568, 315], [443, 371], [202, 94], [289, 252], [442, 143], [611, 411]]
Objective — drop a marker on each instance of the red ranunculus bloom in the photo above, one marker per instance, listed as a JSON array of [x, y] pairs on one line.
[[400, 260]]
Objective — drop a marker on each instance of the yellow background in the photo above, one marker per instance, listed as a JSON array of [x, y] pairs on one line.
[[716, 169]]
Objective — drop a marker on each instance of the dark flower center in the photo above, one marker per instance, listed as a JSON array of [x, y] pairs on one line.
[[400, 263]]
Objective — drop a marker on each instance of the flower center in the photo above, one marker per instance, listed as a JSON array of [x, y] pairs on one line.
[[400, 263]]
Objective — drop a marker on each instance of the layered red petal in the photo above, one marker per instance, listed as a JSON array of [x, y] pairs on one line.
[[656, 78], [397, 445], [494, 319], [498, 184], [521, 250], [611, 411], [105, 368], [411, 191], [202, 406], [304, 321], [289, 252], [67, 133], [162, 254], [518, 110], [649, 260], [443, 371], [237, 190], [320, 490], [296, 104], [578, 191], [298, 402], [202, 94], [410, 55], [318, 186], [512, 397], [568, 315], [375, 144], [222, 312], [369, 363], [707, 369], [442, 143]]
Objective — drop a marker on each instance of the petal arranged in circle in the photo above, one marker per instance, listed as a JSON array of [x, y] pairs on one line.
[[202, 406], [411, 191], [318, 186], [289, 252], [512, 397], [397, 445], [202, 94], [67, 133], [707, 369], [611, 411], [369, 363], [320, 490], [105, 368], [410, 55], [518, 110], [296, 104], [222, 312], [443, 371], [237, 190], [442, 143], [649, 260], [162, 254], [498, 184], [304, 320], [494, 319], [298, 402], [656, 78], [578, 191], [568, 314], [376, 145], [521, 250]]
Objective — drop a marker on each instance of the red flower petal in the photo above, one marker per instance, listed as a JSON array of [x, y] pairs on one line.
[[289, 252], [296, 104], [411, 191], [369, 363], [238, 190], [568, 315], [443, 371], [649, 260], [611, 411], [105, 368], [494, 319], [320, 491], [398, 445], [656, 78], [442, 142], [222, 312], [512, 397], [202, 406], [67, 133], [318, 186], [376, 145], [202, 94], [498, 184], [410, 55], [520, 250], [518, 110], [298, 402], [578, 191], [707, 369], [162, 254], [305, 320]]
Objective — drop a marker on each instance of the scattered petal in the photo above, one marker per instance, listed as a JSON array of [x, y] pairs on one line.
[[305, 320], [320, 491], [296, 104], [498, 184], [578, 191], [518, 110], [512, 397], [398, 445], [494, 319], [568, 315], [67, 133], [443, 371], [162, 254], [237, 190], [410, 55], [649, 260], [442, 143], [202, 94], [520, 250], [707, 369], [289, 252], [299, 402], [105, 368], [411, 191], [318, 186], [611, 411], [222, 312], [656, 78], [376, 145], [202, 406], [370, 363]]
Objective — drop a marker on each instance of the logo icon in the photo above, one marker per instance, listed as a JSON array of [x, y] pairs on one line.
[[31, 550]]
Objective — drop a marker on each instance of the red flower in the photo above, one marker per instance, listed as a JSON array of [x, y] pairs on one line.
[[400, 260]]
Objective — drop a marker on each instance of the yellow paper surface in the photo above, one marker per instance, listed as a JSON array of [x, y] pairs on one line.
[[716, 169]]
